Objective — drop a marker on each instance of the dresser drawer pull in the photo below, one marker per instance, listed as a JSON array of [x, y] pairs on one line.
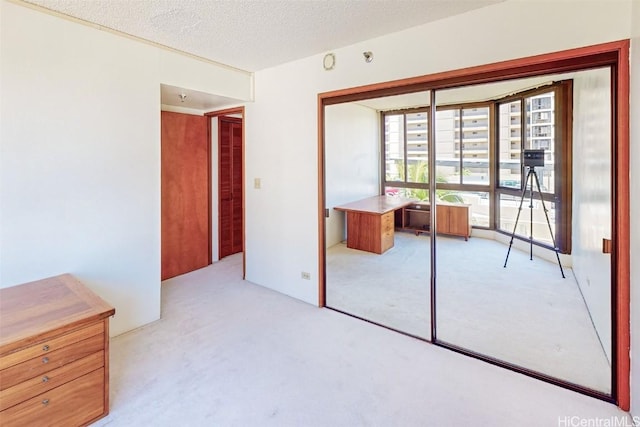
[[45, 360], [45, 401], [45, 379], [45, 348]]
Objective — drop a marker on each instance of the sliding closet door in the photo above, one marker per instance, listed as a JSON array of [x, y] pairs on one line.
[[369, 154], [531, 172]]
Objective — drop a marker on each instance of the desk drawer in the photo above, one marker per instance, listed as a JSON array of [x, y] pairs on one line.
[[48, 346], [386, 231], [39, 365], [74, 403], [387, 222], [52, 379], [386, 242]]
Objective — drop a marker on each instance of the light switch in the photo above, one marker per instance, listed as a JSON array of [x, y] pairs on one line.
[[257, 184]]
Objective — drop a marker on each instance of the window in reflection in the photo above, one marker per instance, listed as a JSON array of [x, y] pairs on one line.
[[510, 144], [540, 134], [405, 147], [536, 128], [463, 145], [394, 147], [532, 222]]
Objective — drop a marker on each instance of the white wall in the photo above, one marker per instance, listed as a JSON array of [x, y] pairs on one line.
[[281, 225], [352, 159], [80, 155], [591, 213], [634, 180], [282, 230]]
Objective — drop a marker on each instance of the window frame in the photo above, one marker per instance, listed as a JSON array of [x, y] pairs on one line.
[[563, 110], [461, 186], [383, 156]]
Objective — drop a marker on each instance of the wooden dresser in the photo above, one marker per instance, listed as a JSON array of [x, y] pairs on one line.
[[54, 354]]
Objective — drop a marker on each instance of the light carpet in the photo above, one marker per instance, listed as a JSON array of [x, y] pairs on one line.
[[230, 353], [525, 314]]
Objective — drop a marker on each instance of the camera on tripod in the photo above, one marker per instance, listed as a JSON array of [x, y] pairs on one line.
[[531, 159], [534, 157]]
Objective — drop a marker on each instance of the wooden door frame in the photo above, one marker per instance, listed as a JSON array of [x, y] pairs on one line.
[[219, 113], [613, 54]]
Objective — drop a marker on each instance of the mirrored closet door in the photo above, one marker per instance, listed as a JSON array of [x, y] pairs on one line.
[[480, 218], [532, 287], [377, 224]]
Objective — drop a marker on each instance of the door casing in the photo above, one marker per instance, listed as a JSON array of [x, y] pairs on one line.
[[230, 173], [239, 111]]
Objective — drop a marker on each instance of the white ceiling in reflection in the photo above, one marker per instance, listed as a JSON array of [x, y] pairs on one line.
[[466, 94]]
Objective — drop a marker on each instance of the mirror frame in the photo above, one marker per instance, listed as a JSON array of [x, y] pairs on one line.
[[613, 54]]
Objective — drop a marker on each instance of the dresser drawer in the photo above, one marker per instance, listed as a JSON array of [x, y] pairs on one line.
[[55, 359], [50, 345], [72, 404], [49, 380]]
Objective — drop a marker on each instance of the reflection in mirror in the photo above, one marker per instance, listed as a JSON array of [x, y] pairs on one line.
[[524, 312], [377, 242]]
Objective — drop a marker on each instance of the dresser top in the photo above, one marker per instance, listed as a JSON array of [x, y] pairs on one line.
[[35, 311]]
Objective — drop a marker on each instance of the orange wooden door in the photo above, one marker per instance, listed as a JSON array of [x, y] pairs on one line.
[[185, 201], [230, 182]]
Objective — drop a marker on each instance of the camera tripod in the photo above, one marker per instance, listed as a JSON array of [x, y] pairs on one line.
[[531, 175]]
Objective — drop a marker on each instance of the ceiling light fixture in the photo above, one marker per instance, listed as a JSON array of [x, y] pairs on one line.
[[368, 56]]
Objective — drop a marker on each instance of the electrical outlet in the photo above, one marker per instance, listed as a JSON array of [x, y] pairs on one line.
[[305, 275], [257, 183]]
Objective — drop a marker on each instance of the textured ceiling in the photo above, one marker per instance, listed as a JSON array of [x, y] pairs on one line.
[[256, 34]]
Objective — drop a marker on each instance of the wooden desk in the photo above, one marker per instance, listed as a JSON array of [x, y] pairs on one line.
[[370, 222], [54, 354]]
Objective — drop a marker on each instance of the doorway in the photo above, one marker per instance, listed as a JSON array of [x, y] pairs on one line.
[[232, 231], [202, 173], [230, 193]]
